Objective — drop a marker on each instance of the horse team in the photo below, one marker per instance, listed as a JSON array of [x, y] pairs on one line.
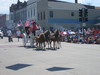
[[53, 40]]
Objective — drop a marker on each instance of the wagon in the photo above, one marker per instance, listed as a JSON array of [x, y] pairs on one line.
[[28, 39]]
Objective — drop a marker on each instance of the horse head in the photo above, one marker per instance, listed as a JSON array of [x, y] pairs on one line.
[[47, 33], [56, 33]]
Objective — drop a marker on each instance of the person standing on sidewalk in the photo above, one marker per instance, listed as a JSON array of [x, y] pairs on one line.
[[9, 36], [18, 33], [1, 34]]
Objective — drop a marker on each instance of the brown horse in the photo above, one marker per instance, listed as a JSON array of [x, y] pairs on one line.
[[56, 39], [47, 37], [40, 41]]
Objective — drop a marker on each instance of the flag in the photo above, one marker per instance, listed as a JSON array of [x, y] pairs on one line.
[[27, 24], [19, 24]]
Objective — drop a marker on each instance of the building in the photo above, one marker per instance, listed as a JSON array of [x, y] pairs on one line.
[[3, 19], [38, 10], [18, 12], [57, 14]]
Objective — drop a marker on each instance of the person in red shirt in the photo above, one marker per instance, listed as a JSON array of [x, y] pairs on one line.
[[34, 27], [97, 31], [93, 31], [27, 27]]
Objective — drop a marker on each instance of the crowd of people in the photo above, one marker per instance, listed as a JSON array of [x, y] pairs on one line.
[[34, 27], [88, 36]]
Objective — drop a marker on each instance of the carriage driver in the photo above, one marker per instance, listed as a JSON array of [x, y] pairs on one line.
[[27, 27], [27, 30], [34, 28]]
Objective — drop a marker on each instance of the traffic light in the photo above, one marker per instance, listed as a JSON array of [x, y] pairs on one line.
[[86, 12], [85, 15], [80, 15], [80, 12]]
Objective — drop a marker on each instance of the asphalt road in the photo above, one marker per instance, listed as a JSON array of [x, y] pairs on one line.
[[71, 59]]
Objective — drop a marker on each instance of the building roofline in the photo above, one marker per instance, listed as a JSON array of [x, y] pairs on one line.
[[58, 1], [97, 7]]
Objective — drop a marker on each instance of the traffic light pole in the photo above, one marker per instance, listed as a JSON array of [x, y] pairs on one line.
[[83, 13], [83, 25]]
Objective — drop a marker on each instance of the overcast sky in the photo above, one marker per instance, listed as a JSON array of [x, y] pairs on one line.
[[5, 4]]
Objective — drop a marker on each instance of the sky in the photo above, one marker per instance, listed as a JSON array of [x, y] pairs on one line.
[[5, 4]]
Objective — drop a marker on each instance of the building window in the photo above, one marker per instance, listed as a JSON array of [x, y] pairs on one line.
[[28, 14], [41, 15], [51, 14], [34, 11], [38, 17], [44, 15], [12, 17], [31, 13], [72, 13]]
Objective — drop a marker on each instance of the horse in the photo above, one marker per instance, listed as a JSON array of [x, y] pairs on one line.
[[32, 36], [56, 39], [47, 37], [40, 41]]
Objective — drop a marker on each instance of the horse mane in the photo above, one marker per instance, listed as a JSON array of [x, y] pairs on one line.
[[56, 33], [42, 36], [46, 33]]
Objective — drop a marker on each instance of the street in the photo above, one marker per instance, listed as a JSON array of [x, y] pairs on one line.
[[71, 59]]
